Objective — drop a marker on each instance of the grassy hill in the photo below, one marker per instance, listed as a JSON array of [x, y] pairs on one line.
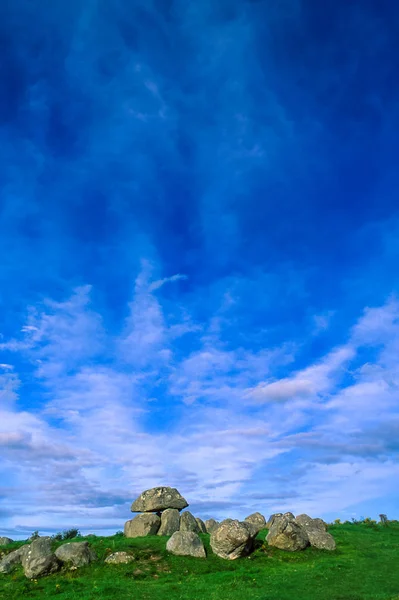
[[365, 566]]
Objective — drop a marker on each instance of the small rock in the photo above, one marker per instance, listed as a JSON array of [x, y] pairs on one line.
[[142, 525], [186, 543], [170, 522], [76, 553], [119, 558]]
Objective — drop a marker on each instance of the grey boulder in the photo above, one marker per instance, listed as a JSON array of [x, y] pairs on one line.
[[4, 541], [188, 522], [118, 558], [142, 525], [11, 560], [39, 559], [201, 525], [78, 554], [257, 518], [170, 522], [211, 524], [272, 518], [186, 543], [286, 534], [158, 499], [232, 539], [316, 531]]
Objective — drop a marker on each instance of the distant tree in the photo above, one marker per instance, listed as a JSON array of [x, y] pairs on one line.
[[383, 520]]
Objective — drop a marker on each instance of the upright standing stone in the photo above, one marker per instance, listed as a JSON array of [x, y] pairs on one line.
[[186, 543], [170, 522], [142, 525], [211, 524], [201, 525], [188, 522]]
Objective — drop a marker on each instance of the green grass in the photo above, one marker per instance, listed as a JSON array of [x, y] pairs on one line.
[[365, 566]]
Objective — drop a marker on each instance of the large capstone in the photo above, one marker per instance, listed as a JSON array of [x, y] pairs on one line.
[[186, 543], [78, 554], [170, 522], [232, 539], [286, 534], [142, 525], [158, 499]]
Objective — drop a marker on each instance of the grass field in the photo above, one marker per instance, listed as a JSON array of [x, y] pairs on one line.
[[365, 566]]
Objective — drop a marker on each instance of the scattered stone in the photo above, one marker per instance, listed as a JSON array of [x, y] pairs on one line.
[[316, 531], [286, 534], [201, 525], [4, 541], [142, 525], [188, 522], [11, 560], [159, 499], [170, 522], [211, 524], [118, 558], [256, 519], [39, 559], [232, 539], [186, 543], [272, 518], [78, 554]]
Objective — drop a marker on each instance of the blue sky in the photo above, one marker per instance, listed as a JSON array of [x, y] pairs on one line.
[[199, 248]]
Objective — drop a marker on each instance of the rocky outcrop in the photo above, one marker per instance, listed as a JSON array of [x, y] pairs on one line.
[[186, 543], [286, 534], [39, 559], [159, 499], [170, 522], [211, 524], [201, 525], [232, 539], [142, 525], [188, 522], [118, 558], [77, 554]]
